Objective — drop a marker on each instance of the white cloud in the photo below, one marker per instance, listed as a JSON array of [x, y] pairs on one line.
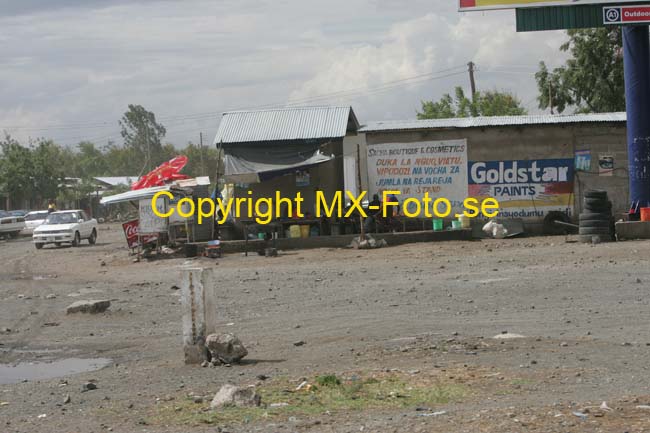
[[83, 65]]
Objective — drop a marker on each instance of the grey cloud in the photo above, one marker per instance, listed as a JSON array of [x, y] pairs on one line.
[[23, 7]]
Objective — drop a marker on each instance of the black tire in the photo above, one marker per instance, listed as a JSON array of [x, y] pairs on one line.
[[595, 224], [598, 194], [38, 246], [93, 237], [605, 208], [595, 202], [77, 239], [550, 228], [587, 239], [602, 231], [599, 216]]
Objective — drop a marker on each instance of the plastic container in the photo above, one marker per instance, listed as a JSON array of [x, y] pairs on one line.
[[261, 235], [456, 225], [645, 214], [294, 231], [314, 231], [304, 231], [465, 222], [437, 225]]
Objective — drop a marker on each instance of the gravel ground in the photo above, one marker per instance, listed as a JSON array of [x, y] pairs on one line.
[[422, 310]]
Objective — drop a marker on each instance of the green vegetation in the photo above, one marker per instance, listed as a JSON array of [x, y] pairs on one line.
[[330, 393], [35, 172], [490, 103], [592, 80]]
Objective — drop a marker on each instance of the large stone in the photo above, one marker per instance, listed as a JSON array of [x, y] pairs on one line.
[[226, 348], [92, 307], [231, 395]]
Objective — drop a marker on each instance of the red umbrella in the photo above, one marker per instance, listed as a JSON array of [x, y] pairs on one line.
[[167, 172]]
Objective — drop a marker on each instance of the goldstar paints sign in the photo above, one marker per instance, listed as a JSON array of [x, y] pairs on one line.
[[524, 189], [474, 5], [435, 167]]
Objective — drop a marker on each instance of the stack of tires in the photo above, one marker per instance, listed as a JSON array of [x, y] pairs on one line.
[[596, 218]]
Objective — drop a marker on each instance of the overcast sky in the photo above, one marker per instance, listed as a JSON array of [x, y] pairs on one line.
[[69, 68]]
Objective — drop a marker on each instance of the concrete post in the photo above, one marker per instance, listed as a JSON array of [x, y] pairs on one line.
[[636, 47], [198, 298]]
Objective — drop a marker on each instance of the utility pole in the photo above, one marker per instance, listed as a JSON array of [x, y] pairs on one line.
[[201, 152], [471, 68], [550, 96]]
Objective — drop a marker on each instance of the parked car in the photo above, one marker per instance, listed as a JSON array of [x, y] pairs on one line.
[[68, 226], [10, 225], [34, 219], [19, 213]]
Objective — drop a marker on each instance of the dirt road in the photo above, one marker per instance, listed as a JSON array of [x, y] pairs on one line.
[[418, 318]]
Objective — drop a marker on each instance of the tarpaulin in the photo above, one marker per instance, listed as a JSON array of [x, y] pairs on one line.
[[259, 161], [241, 170]]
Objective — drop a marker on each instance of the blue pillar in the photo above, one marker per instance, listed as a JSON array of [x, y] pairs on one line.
[[636, 45]]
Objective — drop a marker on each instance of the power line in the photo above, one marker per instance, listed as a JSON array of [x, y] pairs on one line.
[[207, 115]]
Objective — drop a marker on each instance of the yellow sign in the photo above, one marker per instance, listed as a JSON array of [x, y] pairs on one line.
[[477, 5]]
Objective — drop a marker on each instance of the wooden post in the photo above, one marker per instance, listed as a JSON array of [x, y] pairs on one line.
[[198, 298]]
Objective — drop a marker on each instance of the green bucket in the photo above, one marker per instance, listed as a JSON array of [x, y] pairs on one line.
[[437, 225], [456, 225]]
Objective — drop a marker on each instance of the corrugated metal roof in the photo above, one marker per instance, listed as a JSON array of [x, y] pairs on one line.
[[479, 122], [117, 180], [302, 123]]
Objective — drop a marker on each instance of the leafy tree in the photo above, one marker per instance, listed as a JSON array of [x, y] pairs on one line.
[[121, 161], [143, 135], [15, 171], [89, 161], [202, 161], [592, 79], [489, 103], [48, 169]]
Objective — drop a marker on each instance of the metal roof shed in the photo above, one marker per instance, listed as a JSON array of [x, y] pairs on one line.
[[260, 145]]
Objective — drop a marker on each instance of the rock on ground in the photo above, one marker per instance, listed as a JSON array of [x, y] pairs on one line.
[[231, 395], [225, 348], [92, 307]]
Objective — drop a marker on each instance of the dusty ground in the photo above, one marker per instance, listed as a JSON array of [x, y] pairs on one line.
[[422, 314]]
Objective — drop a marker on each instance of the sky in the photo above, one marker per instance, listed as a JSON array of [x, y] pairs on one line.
[[70, 68]]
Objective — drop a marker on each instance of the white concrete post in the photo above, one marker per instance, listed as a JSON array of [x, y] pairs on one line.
[[198, 298]]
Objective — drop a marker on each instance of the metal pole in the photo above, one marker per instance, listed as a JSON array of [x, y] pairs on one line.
[[362, 236], [636, 45]]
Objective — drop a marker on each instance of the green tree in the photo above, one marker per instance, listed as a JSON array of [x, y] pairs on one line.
[[143, 135], [202, 161], [489, 103], [121, 161], [49, 164], [89, 161], [16, 170], [592, 80]]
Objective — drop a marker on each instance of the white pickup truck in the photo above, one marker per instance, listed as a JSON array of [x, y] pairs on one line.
[[10, 225], [68, 226]]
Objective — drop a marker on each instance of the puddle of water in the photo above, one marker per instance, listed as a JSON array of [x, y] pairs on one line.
[[49, 370]]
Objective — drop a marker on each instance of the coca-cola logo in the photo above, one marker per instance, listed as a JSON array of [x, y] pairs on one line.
[[131, 229]]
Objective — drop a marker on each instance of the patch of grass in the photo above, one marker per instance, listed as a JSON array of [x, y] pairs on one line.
[[330, 393], [328, 380]]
